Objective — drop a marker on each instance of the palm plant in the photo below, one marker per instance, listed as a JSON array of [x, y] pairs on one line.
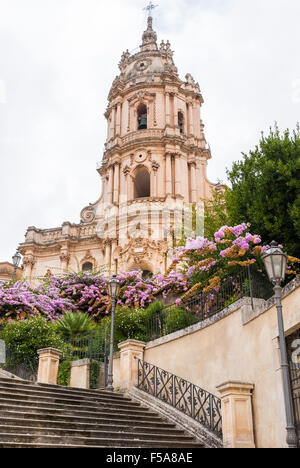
[[75, 325]]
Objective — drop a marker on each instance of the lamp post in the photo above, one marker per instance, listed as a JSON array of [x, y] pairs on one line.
[[114, 291], [275, 261], [16, 262]]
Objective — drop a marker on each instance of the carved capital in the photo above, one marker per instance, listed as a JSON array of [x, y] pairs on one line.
[[64, 257], [155, 166]]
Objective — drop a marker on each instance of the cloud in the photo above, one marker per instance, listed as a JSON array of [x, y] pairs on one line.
[[58, 59]]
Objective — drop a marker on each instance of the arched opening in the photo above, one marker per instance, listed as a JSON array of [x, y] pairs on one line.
[[142, 183], [147, 274], [88, 266], [142, 117], [181, 122]]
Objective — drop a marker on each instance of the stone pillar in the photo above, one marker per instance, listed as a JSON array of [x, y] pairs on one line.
[[80, 373], [177, 175], [168, 110], [118, 123], [130, 352], [177, 131], [110, 187], [64, 259], [48, 365], [116, 183], [193, 184], [28, 264], [107, 256], [113, 118], [168, 175], [191, 119], [237, 417]]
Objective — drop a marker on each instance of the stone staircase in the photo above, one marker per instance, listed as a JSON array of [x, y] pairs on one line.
[[48, 416]]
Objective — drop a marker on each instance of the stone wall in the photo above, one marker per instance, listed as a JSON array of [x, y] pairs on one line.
[[237, 344]]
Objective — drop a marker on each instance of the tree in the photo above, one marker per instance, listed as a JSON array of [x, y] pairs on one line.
[[215, 213], [266, 189]]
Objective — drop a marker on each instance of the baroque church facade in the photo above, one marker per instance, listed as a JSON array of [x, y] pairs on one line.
[[154, 165]]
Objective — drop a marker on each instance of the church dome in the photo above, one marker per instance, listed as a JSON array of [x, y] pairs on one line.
[[150, 63]]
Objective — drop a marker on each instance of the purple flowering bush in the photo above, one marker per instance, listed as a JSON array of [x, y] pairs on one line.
[[200, 265]]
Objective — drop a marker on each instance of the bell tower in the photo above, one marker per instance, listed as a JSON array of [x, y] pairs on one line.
[[155, 156], [153, 171]]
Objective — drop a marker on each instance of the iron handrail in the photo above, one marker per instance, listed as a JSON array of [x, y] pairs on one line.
[[193, 401]]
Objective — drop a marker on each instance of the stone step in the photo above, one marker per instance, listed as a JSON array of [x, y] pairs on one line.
[[89, 418], [41, 416], [17, 438], [12, 384], [77, 412], [65, 393], [67, 407], [57, 399], [92, 435], [127, 426]]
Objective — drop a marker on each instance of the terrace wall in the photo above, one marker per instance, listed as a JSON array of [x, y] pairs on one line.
[[238, 344]]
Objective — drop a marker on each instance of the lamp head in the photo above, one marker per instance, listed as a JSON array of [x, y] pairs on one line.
[[275, 261], [114, 287]]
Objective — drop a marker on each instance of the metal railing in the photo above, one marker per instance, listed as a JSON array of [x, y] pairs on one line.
[[24, 367], [295, 379], [184, 396], [245, 283], [95, 347]]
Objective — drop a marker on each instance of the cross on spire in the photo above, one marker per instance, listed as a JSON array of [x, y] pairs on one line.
[[149, 8]]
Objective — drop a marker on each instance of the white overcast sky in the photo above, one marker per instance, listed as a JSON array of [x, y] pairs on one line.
[[58, 59]]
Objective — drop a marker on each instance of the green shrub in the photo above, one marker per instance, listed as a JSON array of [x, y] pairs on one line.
[[177, 319], [74, 325], [138, 324], [25, 338], [94, 374], [64, 373]]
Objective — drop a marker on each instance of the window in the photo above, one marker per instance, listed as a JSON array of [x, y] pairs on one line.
[[88, 266], [181, 122], [142, 117], [142, 183]]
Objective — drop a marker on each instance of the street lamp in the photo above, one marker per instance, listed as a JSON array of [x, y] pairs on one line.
[[114, 291], [16, 262], [275, 261]]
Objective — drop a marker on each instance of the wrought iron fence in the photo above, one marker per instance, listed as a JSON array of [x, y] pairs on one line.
[[95, 347], [246, 283], [292, 344], [186, 397], [24, 367]]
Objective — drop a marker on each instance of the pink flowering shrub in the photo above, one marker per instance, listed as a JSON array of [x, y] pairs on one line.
[[207, 264], [85, 292], [198, 266]]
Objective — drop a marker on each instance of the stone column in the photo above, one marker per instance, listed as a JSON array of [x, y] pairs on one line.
[[237, 417], [107, 256], [48, 365], [177, 175], [130, 352], [28, 264], [118, 122], [110, 187], [117, 183], [113, 119], [193, 183], [64, 260], [191, 118], [168, 110], [169, 190], [80, 373], [177, 131]]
